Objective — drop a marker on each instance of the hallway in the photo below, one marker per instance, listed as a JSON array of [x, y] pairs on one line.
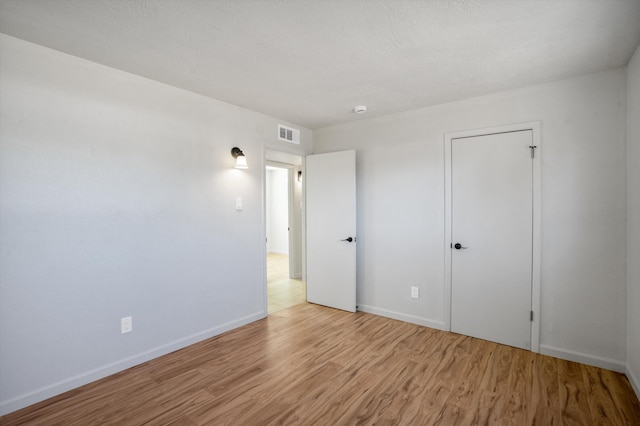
[[283, 292]]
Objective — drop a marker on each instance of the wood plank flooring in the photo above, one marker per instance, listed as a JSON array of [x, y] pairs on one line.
[[312, 365]]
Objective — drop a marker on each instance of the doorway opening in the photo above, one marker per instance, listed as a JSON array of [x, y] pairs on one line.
[[283, 212]]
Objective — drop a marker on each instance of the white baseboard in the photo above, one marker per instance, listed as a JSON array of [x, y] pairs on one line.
[[278, 252], [594, 360], [633, 379], [46, 392], [402, 317]]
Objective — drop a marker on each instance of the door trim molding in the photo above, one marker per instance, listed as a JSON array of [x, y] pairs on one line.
[[535, 127]]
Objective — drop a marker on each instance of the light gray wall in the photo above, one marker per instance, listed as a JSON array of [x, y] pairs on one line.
[[117, 198], [400, 174], [633, 221]]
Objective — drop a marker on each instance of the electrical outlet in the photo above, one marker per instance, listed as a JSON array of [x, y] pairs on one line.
[[126, 325], [415, 292]]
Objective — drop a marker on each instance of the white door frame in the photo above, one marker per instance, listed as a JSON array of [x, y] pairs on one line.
[[535, 278]]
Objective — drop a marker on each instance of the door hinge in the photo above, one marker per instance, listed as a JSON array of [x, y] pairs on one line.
[[531, 316], [533, 150]]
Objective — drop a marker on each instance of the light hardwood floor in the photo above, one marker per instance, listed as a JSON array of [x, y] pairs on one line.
[[283, 292], [312, 365]]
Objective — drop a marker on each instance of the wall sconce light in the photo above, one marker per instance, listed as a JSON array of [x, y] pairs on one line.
[[299, 175], [241, 160]]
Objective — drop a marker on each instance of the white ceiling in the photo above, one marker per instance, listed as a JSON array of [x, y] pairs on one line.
[[309, 62]]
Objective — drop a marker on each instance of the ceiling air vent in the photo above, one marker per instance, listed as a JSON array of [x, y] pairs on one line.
[[288, 134]]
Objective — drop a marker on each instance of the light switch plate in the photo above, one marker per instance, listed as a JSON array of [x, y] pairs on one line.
[[126, 325]]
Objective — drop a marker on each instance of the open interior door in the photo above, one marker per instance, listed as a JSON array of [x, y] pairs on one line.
[[331, 229]]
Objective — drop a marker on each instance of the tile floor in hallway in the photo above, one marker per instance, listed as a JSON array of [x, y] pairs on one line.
[[283, 292]]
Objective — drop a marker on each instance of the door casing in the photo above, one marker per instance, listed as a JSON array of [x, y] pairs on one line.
[[535, 281]]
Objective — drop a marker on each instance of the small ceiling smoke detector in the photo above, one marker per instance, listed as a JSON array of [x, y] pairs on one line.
[[360, 109]]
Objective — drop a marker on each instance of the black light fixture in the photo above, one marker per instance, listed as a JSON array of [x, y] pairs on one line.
[[241, 160]]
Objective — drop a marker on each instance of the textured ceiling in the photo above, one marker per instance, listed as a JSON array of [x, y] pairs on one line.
[[309, 62]]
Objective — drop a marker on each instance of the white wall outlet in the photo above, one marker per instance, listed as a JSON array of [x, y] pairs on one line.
[[415, 292], [126, 325], [239, 203]]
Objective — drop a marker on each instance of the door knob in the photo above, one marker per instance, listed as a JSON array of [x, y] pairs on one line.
[[458, 246], [349, 240]]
